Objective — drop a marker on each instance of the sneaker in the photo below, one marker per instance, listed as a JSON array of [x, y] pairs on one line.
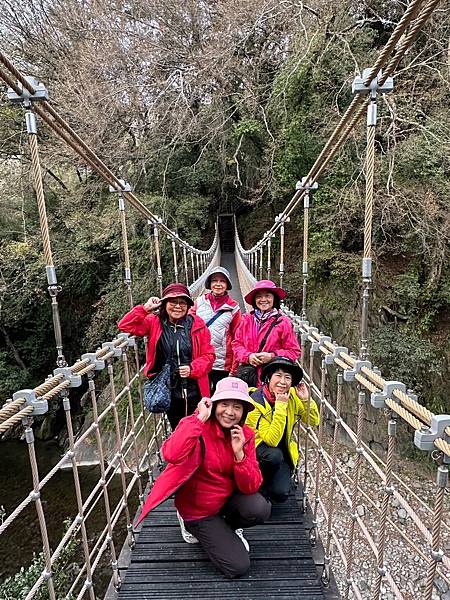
[[240, 534], [187, 537]]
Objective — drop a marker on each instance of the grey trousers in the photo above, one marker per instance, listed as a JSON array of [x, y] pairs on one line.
[[216, 534]]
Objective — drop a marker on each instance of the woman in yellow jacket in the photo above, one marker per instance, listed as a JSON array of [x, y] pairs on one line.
[[279, 404]]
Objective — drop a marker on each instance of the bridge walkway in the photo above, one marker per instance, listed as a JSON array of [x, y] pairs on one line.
[[164, 567]]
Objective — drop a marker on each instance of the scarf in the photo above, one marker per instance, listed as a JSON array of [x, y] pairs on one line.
[[268, 394], [261, 318], [217, 301]]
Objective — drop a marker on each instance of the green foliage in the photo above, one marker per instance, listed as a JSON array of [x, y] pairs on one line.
[[403, 355], [18, 586]]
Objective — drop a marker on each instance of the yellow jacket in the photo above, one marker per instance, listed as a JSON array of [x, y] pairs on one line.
[[270, 422]]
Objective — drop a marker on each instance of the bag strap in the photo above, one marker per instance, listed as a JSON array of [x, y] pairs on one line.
[[264, 340], [216, 316]]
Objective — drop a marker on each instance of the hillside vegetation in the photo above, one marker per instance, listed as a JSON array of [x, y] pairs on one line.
[[218, 105]]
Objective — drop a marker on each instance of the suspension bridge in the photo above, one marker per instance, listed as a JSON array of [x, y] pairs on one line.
[[302, 552]]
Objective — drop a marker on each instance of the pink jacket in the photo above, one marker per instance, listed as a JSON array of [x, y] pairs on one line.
[[282, 340]]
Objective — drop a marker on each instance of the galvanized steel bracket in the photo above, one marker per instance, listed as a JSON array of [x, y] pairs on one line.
[[73, 378], [378, 399], [310, 330], [424, 440], [329, 358], [40, 406], [91, 357], [40, 93], [349, 374], [322, 339], [117, 351], [131, 340], [358, 86]]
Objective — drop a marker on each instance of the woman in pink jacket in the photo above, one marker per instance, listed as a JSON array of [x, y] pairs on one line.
[[213, 471], [264, 332]]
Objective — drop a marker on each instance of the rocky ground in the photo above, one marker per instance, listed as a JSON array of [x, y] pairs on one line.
[[407, 552]]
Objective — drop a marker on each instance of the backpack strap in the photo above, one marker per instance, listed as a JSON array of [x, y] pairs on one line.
[[216, 316], [264, 340]]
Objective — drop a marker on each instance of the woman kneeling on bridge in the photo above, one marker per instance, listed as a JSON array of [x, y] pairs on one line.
[[178, 339], [280, 403], [213, 471]]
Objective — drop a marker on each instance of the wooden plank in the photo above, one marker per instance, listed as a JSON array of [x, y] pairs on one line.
[[164, 567]]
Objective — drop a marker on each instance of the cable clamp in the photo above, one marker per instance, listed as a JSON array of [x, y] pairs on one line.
[[349, 374], [117, 352], [35, 495], [358, 86], [437, 555], [46, 575], [40, 92], [309, 331], [378, 399], [91, 357], [40, 406], [130, 339], [73, 378], [125, 187], [322, 339], [329, 358], [424, 439], [304, 185], [382, 571]]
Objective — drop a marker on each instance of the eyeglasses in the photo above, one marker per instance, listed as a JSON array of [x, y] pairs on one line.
[[181, 303]]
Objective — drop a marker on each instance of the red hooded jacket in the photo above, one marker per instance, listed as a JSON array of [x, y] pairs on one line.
[[139, 322], [202, 467]]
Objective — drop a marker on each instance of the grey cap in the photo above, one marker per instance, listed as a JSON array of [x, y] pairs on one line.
[[221, 270]]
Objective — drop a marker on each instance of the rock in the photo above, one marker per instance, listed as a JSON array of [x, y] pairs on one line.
[[402, 514], [395, 502], [361, 510], [441, 585]]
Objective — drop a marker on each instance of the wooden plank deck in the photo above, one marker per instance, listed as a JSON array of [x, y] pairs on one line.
[[164, 567]]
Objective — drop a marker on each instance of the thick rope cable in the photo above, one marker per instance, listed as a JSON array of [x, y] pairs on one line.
[[387, 493], [355, 490], [10, 408], [406, 19], [409, 39], [105, 493], [14, 420], [436, 553], [78, 495], [39, 188], [47, 575]]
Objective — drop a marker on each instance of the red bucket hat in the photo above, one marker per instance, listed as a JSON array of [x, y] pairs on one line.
[[177, 290], [265, 284]]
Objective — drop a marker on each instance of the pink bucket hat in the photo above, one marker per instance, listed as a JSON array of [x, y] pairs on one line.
[[265, 284], [232, 388]]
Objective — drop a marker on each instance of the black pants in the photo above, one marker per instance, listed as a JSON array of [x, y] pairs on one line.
[[276, 472], [216, 534], [214, 376], [177, 408]]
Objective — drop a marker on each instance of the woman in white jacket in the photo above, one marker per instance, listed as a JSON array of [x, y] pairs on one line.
[[222, 316]]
